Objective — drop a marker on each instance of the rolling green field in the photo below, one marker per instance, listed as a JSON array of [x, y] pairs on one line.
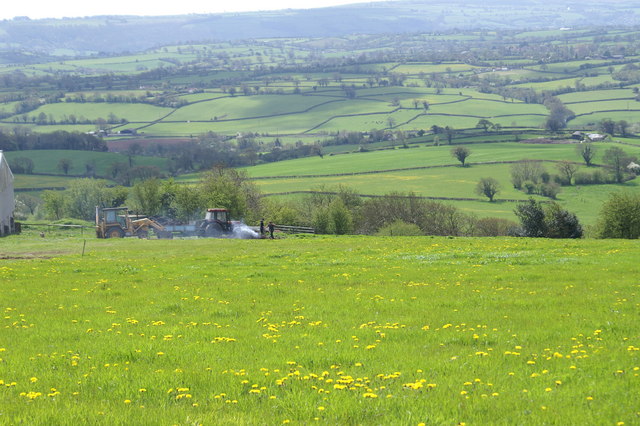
[[341, 330], [436, 173], [46, 161]]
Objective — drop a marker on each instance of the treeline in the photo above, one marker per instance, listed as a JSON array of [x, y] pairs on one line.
[[211, 149], [340, 211], [18, 141], [329, 210]]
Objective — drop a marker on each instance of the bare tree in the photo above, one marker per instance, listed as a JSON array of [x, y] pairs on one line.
[[568, 169]]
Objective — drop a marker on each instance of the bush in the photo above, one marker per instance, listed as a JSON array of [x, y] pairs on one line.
[[531, 216], [550, 190], [560, 223], [620, 217], [561, 180], [493, 227], [550, 222], [545, 177], [597, 177], [400, 229], [340, 219], [321, 220], [529, 187]]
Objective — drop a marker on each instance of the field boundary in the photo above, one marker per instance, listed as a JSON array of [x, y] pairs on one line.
[[422, 197], [440, 166]]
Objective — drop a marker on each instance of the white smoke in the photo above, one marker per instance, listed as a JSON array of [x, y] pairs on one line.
[[243, 232]]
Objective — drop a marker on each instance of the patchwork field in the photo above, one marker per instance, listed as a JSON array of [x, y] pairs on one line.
[[433, 172], [348, 330], [46, 161]]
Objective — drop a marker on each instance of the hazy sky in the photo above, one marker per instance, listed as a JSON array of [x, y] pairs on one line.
[[36, 9]]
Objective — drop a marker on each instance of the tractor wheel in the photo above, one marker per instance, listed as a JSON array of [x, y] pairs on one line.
[[115, 232], [213, 230], [143, 234]]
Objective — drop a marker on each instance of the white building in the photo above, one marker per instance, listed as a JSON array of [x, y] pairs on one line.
[[7, 200]]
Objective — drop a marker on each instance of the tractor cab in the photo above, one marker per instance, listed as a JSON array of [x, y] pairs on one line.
[[217, 215], [216, 223], [112, 222], [117, 215]]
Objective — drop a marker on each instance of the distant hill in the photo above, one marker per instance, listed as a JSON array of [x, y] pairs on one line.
[[110, 34]]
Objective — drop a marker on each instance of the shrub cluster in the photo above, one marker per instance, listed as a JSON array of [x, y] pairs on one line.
[[550, 221]]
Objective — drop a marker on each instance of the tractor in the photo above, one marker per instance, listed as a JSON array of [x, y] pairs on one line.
[[216, 223], [117, 223]]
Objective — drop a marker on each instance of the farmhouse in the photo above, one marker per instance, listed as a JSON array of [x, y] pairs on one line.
[[596, 137], [7, 201]]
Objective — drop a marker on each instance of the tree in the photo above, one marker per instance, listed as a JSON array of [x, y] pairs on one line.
[[567, 169], [532, 219], [484, 124], [561, 223], [391, 122], [526, 171], [231, 189], [29, 203], [622, 126], [22, 165], [450, 132], [83, 195], [488, 187], [617, 160], [587, 151], [64, 165], [607, 125], [54, 204], [558, 114], [461, 153], [340, 219], [146, 197], [620, 216], [186, 202]]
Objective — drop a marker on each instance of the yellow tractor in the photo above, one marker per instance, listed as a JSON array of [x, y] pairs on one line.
[[117, 223]]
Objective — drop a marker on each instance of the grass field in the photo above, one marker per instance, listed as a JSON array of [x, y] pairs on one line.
[[349, 330], [422, 156], [448, 182], [46, 161]]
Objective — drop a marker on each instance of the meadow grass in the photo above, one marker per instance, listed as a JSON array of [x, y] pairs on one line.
[[595, 95], [422, 156], [624, 105], [592, 119], [46, 161], [348, 330], [35, 181], [449, 182], [92, 111]]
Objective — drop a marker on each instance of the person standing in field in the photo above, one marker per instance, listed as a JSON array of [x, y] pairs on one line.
[[262, 227], [271, 227]]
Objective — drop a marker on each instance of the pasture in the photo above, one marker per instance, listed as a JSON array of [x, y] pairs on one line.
[[46, 161], [341, 330], [431, 171]]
